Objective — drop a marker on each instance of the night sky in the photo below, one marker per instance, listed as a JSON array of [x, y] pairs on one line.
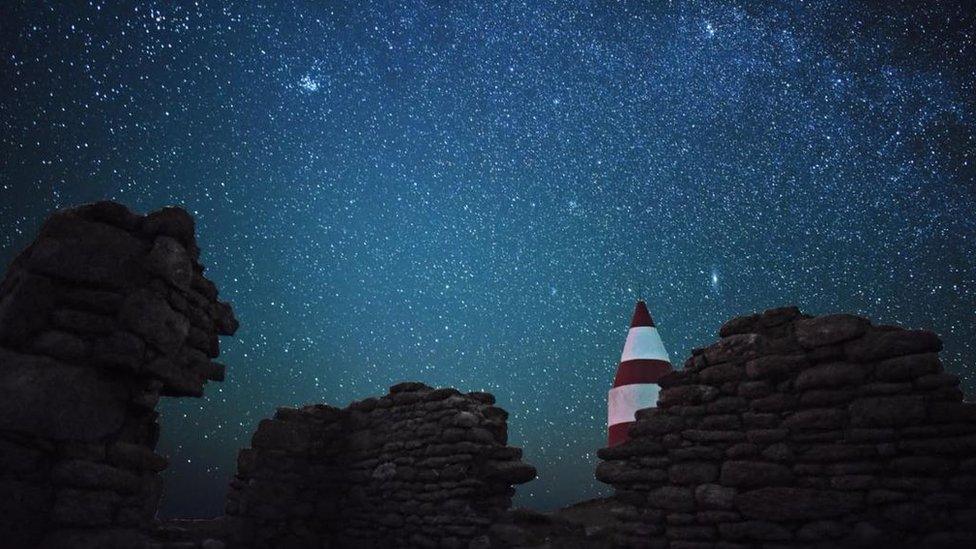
[[473, 194]]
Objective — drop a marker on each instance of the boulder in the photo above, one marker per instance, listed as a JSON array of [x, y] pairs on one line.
[[829, 329], [783, 503]]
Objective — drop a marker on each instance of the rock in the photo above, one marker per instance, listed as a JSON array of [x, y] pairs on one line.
[[775, 366], [119, 349], [511, 472], [85, 508], [281, 434], [78, 383], [697, 435], [714, 375], [150, 317], [921, 465], [819, 398], [409, 387], [816, 418], [61, 345], [830, 375], [94, 476], [821, 530], [829, 329], [952, 446], [715, 496], [754, 389], [754, 530], [881, 344], [790, 503], [87, 253], [136, 457], [754, 473], [948, 412], [657, 425], [739, 347], [893, 411], [907, 368], [759, 322], [778, 452], [687, 394], [169, 260], [692, 473], [89, 405], [225, 320], [934, 381], [24, 310], [672, 498], [776, 402], [172, 222]]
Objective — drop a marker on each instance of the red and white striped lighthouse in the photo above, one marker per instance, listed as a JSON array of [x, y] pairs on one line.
[[643, 362]]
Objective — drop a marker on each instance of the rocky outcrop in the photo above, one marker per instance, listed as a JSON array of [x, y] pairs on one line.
[[104, 313], [801, 431], [418, 467]]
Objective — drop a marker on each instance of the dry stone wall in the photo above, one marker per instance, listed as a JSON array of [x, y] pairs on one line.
[[801, 431], [418, 467], [104, 313]]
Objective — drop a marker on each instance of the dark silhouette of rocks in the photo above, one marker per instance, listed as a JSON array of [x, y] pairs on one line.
[[790, 431], [418, 467], [104, 313], [801, 431]]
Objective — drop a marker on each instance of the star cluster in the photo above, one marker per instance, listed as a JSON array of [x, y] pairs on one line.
[[473, 194]]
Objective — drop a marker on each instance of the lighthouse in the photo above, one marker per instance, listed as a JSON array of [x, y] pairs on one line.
[[643, 362]]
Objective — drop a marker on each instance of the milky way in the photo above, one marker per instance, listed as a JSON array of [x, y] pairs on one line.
[[473, 194]]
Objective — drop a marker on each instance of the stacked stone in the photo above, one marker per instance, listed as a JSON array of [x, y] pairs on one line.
[[418, 467], [105, 312], [798, 431]]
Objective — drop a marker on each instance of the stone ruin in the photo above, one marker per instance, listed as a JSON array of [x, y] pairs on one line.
[[109, 310], [790, 431], [419, 467], [104, 313], [803, 432]]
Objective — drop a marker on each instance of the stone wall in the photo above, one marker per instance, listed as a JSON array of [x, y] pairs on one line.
[[800, 431], [104, 313], [418, 467]]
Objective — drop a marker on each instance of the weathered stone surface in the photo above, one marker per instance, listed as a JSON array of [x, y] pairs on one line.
[[821, 530], [775, 366], [657, 425], [692, 472], [149, 316], [687, 394], [412, 465], [790, 503], [825, 431], [759, 322], [86, 253], [739, 347], [94, 476], [754, 530], [719, 373], [94, 324], [754, 473], [881, 344], [907, 368], [830, 375], [672, 498], [715, 496], [894, 411], [829, 329], [170, 261], [511, 472], [816, 418], [88, 404]]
